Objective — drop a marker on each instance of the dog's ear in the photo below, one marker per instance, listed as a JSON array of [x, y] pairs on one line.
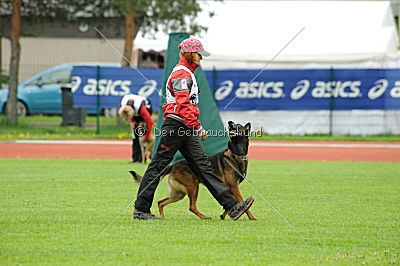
[[231, 125], [232, 129], [247, 127]]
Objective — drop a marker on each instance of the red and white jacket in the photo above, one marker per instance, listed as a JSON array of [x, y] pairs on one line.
[[182, 94]]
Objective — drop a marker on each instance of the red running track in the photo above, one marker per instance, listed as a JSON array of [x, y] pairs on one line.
[[259, 150]]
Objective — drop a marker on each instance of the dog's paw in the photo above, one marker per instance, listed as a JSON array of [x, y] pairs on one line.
[[206, 218], [222, 216]]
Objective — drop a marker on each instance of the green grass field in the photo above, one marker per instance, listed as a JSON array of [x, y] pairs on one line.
[[48, 127], [52, 209]]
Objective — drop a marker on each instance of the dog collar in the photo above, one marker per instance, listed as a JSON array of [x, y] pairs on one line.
[[242, 157]]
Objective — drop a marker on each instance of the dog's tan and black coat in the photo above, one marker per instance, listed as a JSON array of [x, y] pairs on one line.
[[171, 141], [230, 166]]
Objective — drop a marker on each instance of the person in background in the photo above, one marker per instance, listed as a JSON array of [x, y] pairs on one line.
[[137, 111]]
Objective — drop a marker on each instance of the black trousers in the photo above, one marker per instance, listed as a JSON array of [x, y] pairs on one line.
[[177, 136], [136, 148]]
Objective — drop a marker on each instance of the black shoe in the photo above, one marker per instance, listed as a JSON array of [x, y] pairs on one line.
[[138, 215], [135, 162], [239, 208]]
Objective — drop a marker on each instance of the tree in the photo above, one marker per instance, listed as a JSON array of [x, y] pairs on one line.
[[147, 16], [151, 16], [14, 63], [37, 12], [3, 78]]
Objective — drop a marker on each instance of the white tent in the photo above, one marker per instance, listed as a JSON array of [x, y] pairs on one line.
[[301, 35], [245, 34]]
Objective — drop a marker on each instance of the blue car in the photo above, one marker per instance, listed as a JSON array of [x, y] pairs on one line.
[[41, 94]]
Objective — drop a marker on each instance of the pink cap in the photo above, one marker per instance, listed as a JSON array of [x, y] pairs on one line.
[[192, 45]]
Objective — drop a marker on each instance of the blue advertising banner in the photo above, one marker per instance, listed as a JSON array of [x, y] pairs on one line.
[[313, 89], [113, 83], [319, 89]]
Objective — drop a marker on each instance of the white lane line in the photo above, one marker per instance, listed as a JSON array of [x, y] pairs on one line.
[[325, 145], [254, 144], [97, 142]]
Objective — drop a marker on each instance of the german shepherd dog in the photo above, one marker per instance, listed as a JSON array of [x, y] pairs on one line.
[[229, 165]]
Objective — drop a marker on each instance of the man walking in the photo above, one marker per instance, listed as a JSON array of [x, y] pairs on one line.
[[181, 114]]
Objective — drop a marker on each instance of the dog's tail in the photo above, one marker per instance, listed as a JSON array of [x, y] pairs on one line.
[[138, 178]]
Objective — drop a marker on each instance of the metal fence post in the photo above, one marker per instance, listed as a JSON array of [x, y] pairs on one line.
[[331, 101], [97, 100]]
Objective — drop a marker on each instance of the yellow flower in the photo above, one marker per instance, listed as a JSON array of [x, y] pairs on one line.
[[121, 135]]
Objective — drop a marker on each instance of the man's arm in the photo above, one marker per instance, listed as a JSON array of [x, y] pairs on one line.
[[149, 121], [187, 111]]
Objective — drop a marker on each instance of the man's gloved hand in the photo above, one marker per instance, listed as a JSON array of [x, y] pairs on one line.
[[202, 133]]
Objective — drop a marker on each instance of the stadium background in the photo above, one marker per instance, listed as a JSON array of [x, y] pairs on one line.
[[66, 193]]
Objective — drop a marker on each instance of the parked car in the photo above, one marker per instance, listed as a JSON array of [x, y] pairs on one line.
[[41, 93]]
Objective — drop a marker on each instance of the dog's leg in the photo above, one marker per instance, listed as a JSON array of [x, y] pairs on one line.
[[193, 193], [222, 216], [149, 148], [161, 207], [236, 193], [171, 199], [143, 149]]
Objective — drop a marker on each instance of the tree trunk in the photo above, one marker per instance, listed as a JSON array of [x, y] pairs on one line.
[[14, 63], [129, 35], [1, 63], [128, 44]]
